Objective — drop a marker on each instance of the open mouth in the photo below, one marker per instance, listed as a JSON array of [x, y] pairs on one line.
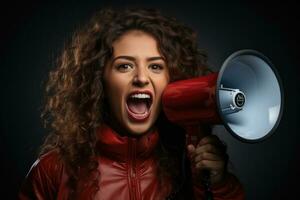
[[138, 105]]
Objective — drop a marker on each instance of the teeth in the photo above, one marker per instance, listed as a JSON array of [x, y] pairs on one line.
[[140, 96]]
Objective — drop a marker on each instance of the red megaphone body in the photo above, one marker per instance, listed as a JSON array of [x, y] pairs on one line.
[[190, 103]]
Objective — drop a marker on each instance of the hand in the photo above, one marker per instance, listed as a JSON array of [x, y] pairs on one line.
[[210, 154]]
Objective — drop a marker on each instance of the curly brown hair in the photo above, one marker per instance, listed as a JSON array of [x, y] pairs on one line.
[[74, 105]]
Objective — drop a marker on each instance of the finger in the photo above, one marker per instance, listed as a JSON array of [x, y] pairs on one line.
[[207, 156], [191, 149], [215, 141], [209, 148], [210, 165], [210, 139]]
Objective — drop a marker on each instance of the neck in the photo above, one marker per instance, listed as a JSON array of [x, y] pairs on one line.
[[113, 124]]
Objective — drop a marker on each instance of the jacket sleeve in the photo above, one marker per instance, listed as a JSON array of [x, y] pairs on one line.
[[42, 181], [230, 189]]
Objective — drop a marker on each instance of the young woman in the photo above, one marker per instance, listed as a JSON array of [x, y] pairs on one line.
[[110, 139]]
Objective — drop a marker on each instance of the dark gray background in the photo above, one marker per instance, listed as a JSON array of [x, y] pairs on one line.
[[33, 33]]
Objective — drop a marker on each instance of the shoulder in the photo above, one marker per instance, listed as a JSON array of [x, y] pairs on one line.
[[49, 167], [43, 178], [48, 161]]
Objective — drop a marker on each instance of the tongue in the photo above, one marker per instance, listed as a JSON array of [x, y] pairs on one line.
[[137, 106]]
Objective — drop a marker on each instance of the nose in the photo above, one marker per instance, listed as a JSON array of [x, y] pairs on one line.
[[141, 78]]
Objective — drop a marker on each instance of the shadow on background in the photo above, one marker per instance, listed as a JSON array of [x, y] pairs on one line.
[[33, 33]]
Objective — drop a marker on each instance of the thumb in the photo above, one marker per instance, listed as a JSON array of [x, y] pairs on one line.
[[190, 149]]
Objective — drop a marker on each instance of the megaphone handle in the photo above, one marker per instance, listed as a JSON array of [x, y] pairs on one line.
[[193, 136], [208, 195]]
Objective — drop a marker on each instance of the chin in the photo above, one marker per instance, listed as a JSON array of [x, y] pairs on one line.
[[139, 129]]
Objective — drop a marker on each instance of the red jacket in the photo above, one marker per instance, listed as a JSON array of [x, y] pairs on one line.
[[127, 170]]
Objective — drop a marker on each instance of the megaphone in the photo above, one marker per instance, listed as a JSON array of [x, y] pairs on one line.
[[246, 96]]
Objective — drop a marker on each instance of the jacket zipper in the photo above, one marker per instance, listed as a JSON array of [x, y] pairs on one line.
[[132, 170]]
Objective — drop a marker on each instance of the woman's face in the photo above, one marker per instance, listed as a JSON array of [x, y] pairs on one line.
[[134, 80]]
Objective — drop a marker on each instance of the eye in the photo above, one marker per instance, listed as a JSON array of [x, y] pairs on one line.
[[156, 68], [124, 67]]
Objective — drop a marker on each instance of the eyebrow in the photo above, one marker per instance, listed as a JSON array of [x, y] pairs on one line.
[[133, 58]]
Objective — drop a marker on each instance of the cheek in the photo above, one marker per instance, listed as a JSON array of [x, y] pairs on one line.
[[162, 84], [115, 95], [113, 91]]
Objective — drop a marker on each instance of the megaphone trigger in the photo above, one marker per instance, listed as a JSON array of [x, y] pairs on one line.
[[193, 135]]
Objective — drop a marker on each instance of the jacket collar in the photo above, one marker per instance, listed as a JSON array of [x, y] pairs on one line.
[[121, 148]]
